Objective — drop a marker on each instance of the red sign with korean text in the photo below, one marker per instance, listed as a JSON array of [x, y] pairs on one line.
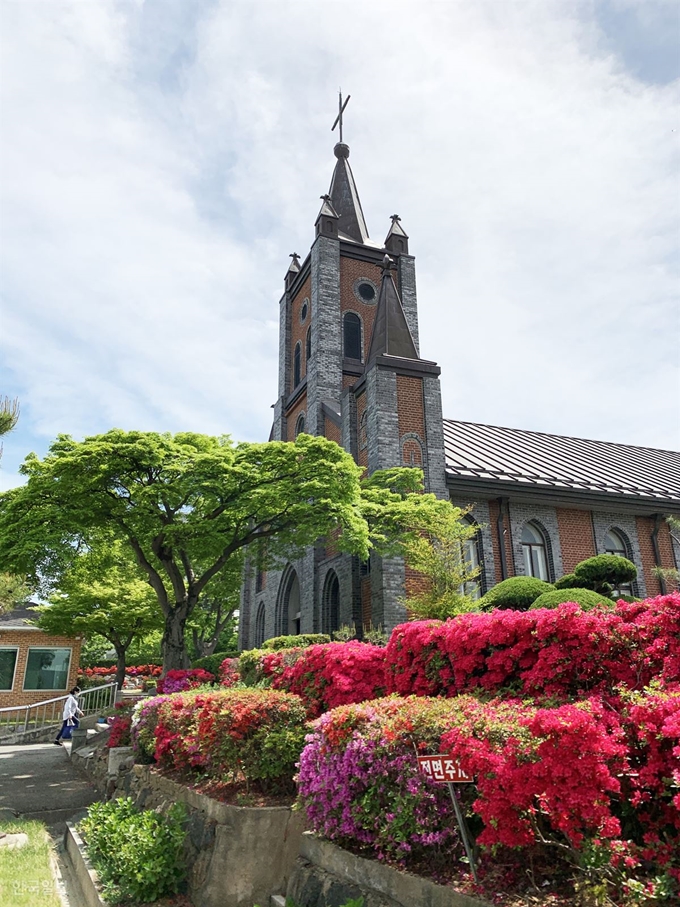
[[444, 770]]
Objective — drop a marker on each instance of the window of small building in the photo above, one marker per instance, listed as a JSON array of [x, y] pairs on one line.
[[47, 669], [352, 336], [8, 664], [535, 550], [296, 365]]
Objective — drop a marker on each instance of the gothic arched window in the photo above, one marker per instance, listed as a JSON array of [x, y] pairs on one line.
[[471, 551], [535, 550], [259, 626], [616, 543], [300, 424], [331, 603], [352, 336], [296, 365], [308, 355]]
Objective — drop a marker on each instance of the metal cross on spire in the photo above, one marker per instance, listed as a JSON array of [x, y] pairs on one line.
[[341, 108]]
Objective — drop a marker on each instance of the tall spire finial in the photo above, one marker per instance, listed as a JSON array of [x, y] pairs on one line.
[[341, 108]]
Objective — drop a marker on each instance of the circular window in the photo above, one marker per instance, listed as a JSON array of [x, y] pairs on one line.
[[304, 310], [365, 291]]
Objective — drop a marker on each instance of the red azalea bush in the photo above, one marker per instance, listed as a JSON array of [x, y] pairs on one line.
[[179, 680], [229, 672], [565, 651], [121, 724], [329, 675], [130, 671], [230, 735]]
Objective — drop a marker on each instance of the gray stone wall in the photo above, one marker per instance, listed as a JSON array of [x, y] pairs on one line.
[[434, 437], [547, 518], [603, 521], [409, 299], [382, 423], [324, 376]]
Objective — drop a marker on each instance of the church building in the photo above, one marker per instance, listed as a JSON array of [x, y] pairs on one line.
[[351, 369]]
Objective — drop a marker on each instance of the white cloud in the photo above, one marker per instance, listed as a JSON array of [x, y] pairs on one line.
[[162, 160]]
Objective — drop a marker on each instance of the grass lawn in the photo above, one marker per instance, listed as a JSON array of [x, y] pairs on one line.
[[26, 878]]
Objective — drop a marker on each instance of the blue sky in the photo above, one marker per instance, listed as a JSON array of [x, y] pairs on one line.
[[160, 160]]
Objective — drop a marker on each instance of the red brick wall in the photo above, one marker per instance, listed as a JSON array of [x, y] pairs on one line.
[[25, 639], [333, 432], [645, 527], [350, 271], [493, 526], [576, 536], [410, 405], [292, 415], [298, 331]]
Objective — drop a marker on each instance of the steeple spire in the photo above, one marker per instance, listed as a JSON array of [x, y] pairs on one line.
[[391, 334], [343, 194]]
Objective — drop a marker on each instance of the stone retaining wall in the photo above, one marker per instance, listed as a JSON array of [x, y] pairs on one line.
[[327, 875], [237, 856]]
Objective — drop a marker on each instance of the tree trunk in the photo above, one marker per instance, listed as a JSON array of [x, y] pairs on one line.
[[173, 646], [121, 651]]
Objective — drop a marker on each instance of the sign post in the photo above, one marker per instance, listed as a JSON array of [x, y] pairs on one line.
[[447, 771]]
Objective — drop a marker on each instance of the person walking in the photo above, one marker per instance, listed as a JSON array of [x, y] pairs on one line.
[[70, 714]]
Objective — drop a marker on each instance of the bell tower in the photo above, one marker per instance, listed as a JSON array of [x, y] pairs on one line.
[[349, 369]]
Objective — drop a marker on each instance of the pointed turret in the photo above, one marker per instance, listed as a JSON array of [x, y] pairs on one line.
[[327, 219], [396, 240], [345, 198], [391, 334], [293, 269]]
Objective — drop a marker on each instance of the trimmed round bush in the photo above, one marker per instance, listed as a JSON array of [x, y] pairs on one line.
[[294, 642], [605, 572], [516, 593], [585, 598], [568, 581]]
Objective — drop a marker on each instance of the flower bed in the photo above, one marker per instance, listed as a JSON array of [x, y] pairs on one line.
[[565, 651], [596, 781], [224, 736]]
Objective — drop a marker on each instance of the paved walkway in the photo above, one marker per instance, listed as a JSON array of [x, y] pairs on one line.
[[38, 781]]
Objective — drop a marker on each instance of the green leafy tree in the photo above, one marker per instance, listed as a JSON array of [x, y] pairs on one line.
[[103, 593], [14, 591], [188, 504], [213, 619], [441, 554], [9, 414]]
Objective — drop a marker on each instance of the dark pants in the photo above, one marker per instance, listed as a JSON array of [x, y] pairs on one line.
[[65, 725]]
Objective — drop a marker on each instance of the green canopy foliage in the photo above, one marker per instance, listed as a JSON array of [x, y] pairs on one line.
[[605, 572], [14, 591], [187, 504]]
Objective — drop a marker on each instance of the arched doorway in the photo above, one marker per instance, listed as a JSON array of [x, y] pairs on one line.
[[330, 617], [288, 604]]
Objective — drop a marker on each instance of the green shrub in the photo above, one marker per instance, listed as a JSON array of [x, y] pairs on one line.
[[568, 581], [138, 855], [294, 642], [516, 593], [250, 666], [605, 572], [213, 662], [586, 598]]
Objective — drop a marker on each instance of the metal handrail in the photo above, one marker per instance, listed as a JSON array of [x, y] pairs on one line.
[[29, 717]]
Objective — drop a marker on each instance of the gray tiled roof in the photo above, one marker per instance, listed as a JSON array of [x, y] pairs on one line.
[[514, 457]]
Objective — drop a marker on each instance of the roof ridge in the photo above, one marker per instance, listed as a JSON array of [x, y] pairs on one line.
[[547, 434]]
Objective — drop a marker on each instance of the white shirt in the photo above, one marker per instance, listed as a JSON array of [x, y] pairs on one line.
[[70, 707]]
